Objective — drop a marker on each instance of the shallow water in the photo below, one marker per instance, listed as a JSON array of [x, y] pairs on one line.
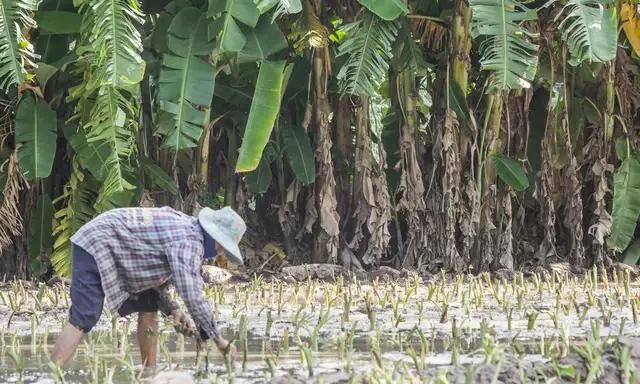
[[180, 354], [394, 332]]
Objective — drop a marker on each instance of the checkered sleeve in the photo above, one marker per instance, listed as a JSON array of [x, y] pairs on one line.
[[185, 267]]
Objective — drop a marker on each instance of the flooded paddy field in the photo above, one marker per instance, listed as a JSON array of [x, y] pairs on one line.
[[543, 328]]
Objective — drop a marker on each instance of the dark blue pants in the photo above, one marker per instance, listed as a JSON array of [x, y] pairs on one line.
[[87, 296]]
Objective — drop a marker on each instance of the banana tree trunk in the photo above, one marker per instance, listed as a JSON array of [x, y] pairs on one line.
[[344, 151], [572, 186], [601, 221], [490, 230], [411, 206], [493, 135], [327, 229], [453, 149], [369, 229], [203, 158], [461, 44]]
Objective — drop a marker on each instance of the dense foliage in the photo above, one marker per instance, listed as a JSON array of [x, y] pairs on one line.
[[426, 134]]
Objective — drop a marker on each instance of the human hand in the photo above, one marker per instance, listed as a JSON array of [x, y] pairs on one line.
[[183, 323], [227, 348]]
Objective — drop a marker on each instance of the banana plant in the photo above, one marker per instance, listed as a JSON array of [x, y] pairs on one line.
[[506, 46], [17, 52], [104, 102]]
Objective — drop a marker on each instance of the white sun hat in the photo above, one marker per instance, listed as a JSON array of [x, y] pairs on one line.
[[226, 227]]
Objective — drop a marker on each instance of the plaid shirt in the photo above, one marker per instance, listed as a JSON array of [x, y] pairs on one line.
[[137, 249]]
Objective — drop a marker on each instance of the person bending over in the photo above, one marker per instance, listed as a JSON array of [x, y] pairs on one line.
[[128, 256]]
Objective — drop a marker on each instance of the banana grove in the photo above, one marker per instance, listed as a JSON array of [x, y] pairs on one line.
[[425, 134]]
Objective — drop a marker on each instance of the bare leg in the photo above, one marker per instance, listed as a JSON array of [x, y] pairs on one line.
[[148, 337], [66, 345]]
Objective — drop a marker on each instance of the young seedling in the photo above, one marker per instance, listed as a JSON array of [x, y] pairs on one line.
[[268, 325], [626, 364], [272, 363], [444, 314], [420, 308], [621, 328], [371, 314], [350, 336], [281, 301], [58, 375], [397, 315], [285, 341], [18, 361], [346, 304], [532, 316], [244, 339], [417, 361], [306, 357], [375, 349], [509, 312], [323, 318]]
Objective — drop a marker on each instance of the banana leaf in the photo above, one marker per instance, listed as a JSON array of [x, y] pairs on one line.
[[297, 146], [386, 9], [626, 203], [510, 172], [262, 116], [36, 133]]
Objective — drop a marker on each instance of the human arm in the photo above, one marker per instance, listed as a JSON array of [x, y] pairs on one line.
[[170, 307], [185, 260]]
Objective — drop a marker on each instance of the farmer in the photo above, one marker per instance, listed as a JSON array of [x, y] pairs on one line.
[[128, 256]]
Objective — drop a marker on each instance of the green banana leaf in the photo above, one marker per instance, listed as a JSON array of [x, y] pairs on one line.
[[262, 115], [159, 177], [186, 80], [510, 172], [622, 148], [367, 50], [508, 51], [297, 146], [386, 9], [36, 133], [52, 47], [626, 203], [258, 181], [111, 125], [92, 157], [58, 22], [16, 54], [80, 193], [44, 72], [590, 30], [631, 255], [458, 103], [234, 12], [262, 41], [283, 7], [114, 39]]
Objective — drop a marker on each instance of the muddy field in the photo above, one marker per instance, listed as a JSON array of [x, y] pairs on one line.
[[545, 327]]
